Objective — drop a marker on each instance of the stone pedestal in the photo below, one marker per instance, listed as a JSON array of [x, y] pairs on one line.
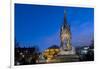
[[67, 56], [69, 52]]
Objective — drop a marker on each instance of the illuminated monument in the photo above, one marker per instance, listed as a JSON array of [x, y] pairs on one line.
[[65, 37]]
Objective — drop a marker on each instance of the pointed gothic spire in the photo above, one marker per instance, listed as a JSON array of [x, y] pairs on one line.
[[65, 19], [65, 24]]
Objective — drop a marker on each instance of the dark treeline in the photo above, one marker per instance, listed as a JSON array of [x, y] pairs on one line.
[[26, 55]]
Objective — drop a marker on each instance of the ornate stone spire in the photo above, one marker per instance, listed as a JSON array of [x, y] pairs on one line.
[[65, 17], [65, 24], [65, 34]]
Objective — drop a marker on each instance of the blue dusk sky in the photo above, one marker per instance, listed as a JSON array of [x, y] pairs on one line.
[[40, 25]]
